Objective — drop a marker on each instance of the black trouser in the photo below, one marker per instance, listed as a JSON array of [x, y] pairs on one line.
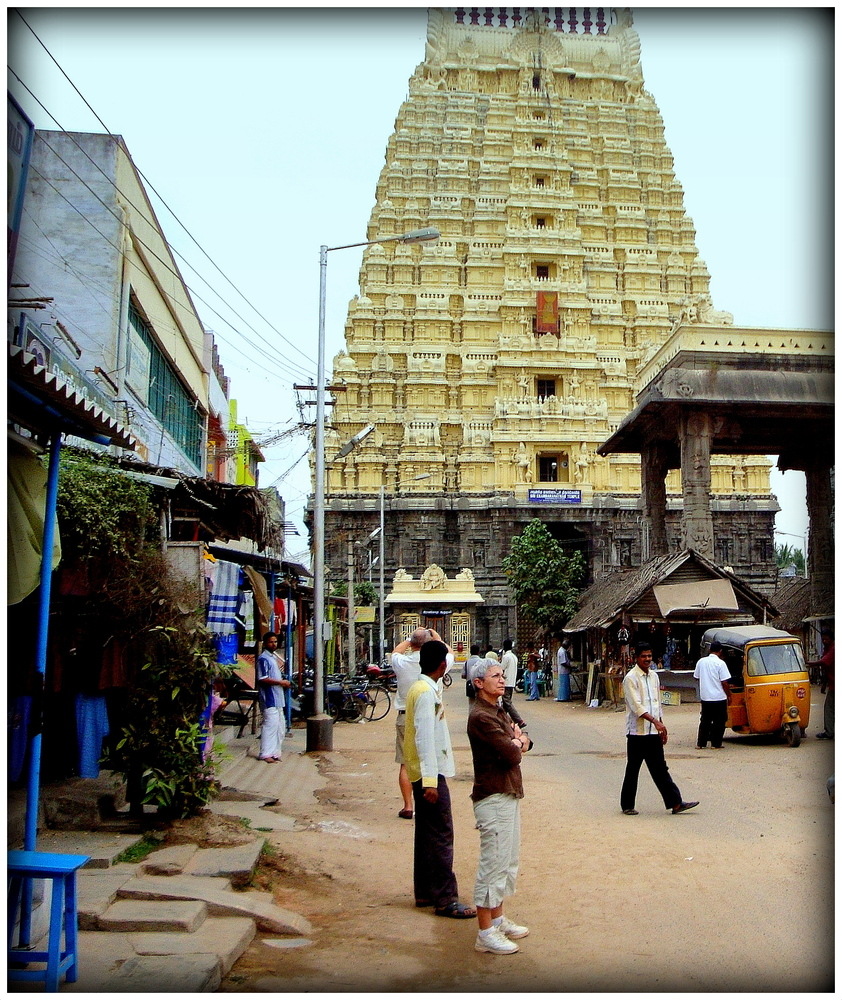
[[514, 715], [433, 867], [651, 750], [712, 723]]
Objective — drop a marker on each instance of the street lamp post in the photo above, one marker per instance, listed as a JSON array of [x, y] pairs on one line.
[[319, 731]]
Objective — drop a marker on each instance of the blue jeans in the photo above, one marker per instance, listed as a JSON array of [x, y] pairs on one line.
[[532, 681], [563, 687]]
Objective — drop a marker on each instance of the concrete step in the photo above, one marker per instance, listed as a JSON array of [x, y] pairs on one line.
[[172, 916], [225, 937], [236, 863], [199, 973], [220, 901], [168, 860], [102, 848], [96, 890]]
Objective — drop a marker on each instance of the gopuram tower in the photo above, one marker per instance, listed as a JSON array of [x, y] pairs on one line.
[[496, 361]]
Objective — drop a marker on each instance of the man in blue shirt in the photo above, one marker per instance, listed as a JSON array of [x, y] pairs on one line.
[[270, 688]]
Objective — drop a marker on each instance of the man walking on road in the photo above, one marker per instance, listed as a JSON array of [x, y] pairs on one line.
[[429, 762], [646, 735], [714, 688]]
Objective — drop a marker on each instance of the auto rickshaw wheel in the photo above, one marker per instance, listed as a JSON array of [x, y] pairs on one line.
[[792, 734]]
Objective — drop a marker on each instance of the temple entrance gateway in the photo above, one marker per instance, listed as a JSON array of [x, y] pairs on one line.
[[434, 601]]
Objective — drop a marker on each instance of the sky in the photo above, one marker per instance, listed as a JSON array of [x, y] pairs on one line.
[[263, 133]]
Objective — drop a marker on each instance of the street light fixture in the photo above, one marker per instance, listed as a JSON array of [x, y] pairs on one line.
[[319, 732]]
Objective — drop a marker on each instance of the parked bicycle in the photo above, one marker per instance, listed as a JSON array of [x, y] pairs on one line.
[[357, 698]]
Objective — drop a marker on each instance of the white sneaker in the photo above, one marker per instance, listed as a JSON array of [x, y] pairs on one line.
[[496, 942], [511, 930]]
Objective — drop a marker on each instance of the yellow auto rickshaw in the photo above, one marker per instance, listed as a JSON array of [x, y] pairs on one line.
[[770, 683]]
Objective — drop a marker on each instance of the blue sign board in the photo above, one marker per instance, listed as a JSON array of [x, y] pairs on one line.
[[555, 496]]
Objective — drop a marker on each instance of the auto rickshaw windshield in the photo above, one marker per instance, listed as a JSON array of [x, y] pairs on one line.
[[783, 658]]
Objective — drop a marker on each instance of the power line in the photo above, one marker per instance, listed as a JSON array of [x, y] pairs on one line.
[[152, 187], [279, 357], [159, 323]]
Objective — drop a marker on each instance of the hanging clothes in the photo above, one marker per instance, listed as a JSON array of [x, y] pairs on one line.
[[261, 596], [222, 609], [91, 730], [226, 649], [20, 709], [26, 496]]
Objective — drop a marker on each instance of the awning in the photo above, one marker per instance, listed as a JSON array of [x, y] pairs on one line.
[[699, 596], [43, 398]]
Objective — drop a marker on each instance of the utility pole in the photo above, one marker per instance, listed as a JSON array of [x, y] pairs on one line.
[[352, 613]]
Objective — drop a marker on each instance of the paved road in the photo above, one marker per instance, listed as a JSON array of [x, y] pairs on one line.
[[735, 895]]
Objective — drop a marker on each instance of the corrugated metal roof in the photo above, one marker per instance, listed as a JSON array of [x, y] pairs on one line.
[[601, 603], [85, 418]]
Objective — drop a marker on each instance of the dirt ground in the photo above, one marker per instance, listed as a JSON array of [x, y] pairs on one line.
[[735, 896]]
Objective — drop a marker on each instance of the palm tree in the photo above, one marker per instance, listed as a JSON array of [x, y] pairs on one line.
[[788, 555]]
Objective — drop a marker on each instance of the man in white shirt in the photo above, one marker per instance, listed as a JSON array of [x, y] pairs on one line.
[[646, 735], [428, 756], [509, 665], [714, 688], [405, 663]]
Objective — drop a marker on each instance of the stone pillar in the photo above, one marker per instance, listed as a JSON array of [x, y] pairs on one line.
[[697, 521], [654, 469], [820, 546]]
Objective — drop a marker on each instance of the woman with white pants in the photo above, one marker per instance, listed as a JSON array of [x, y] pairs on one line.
[[497, 746]]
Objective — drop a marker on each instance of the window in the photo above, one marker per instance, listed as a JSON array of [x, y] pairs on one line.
[[784, 658], [548, 468], [545, 387], [165, 396], [536, 81], [540, 222], [539, 182], [538, 144], [542, 272]]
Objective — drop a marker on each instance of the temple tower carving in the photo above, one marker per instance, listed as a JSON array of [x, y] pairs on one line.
[[495, 362]]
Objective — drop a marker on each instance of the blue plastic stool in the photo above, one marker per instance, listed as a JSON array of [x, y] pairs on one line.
[[61, 870]]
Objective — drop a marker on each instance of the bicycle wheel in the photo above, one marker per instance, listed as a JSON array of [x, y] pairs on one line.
[[379, 703], [447, 680]]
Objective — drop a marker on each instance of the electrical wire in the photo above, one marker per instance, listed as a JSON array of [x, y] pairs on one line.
[[160, 324], [163, 201], [279, 358]]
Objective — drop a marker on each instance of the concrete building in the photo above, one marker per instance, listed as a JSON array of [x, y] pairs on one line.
[[495, 363], [93, 261]]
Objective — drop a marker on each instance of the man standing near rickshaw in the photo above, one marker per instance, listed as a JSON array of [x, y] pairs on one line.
[[714, 688]]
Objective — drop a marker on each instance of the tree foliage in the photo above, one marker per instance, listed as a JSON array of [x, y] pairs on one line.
[[103, 514], [788, 555], [545, 581], [365, 593]]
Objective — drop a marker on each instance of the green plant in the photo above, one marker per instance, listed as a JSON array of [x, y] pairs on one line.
[[103, 514], [365, 593], [788, 555], [544, 579], [137, 852], [109, 530]]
